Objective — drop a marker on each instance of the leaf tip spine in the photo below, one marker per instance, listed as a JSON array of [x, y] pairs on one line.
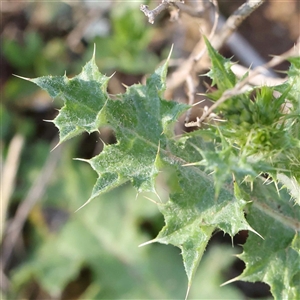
[[82, 159], [251, 229], [170, 53], [151, 200], [48, 121], [230, 281], [24, 78], [147, 243], [113, 74], [83, 205], [125, 86], [94, 52], [58, 144], [187, 291]]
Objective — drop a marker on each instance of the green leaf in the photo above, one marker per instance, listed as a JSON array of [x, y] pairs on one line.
[[141, 120], [274, 259], [22, 56], [220, 72]]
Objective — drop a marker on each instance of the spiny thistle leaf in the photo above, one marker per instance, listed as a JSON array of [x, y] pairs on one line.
[[274, 259], [221, 73], [141, 120], [192, 214]]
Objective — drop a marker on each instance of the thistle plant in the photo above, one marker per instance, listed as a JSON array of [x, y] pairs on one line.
[[238, 172]]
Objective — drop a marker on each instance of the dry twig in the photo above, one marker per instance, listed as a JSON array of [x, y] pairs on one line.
[[234, 21], [152, 14]]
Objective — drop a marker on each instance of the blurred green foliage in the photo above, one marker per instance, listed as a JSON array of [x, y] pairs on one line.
[[125, 48], [25, 56]]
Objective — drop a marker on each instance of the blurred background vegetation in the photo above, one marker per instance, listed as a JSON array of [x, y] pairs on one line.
[[47, 250]]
